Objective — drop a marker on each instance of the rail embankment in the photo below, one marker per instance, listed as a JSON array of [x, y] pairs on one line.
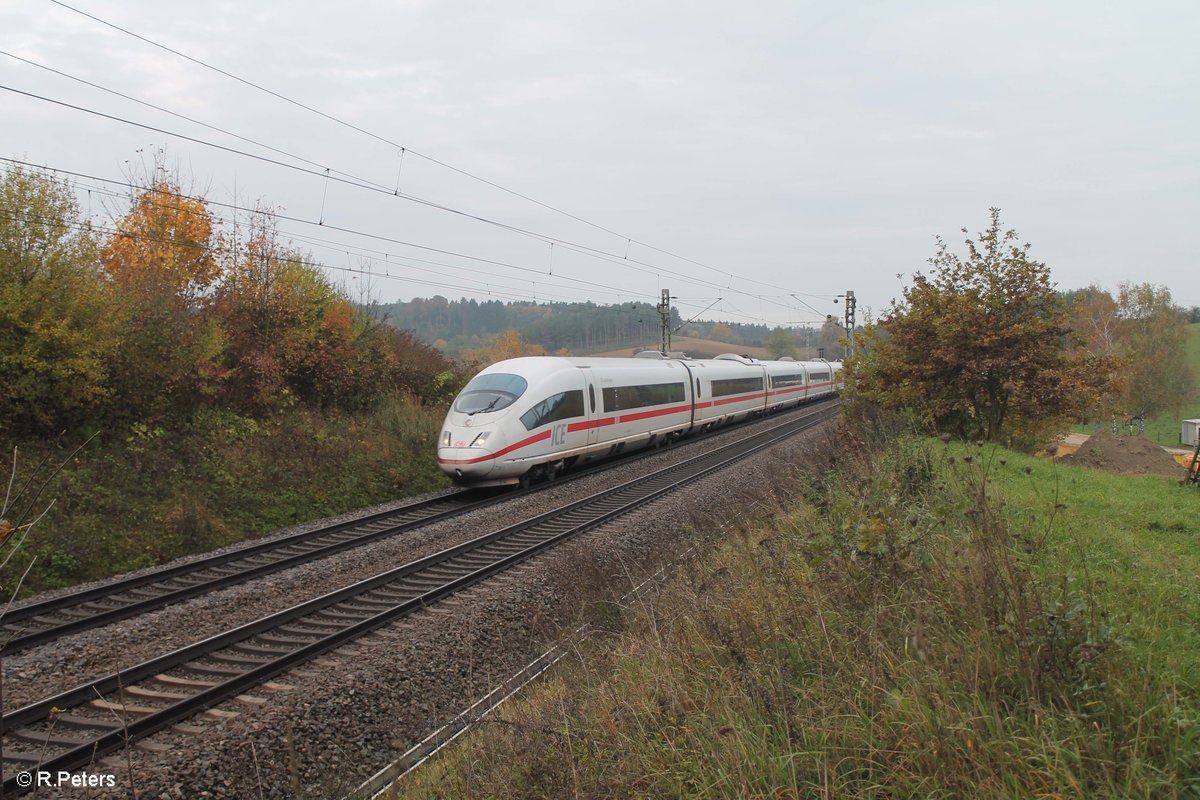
[[914, 619], [125, 502]]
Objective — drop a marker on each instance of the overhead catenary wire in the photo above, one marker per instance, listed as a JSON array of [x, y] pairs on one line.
[[327, 226], [341, 247], [490, 289], [580, 249], [403, 148], [282, 258]]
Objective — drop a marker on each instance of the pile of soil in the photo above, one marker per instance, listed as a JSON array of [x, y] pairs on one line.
[[1132, 454]]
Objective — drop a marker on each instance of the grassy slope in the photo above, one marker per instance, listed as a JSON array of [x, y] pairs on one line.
[[152, 495], [902, 665], [1136, 537]]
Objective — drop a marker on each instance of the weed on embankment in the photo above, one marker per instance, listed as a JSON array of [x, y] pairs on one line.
[[151, 495], [920, 620]]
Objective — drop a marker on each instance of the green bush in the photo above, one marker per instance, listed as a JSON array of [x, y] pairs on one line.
[[156, 493]]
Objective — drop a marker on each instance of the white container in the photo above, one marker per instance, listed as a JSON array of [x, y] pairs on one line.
[[1191, 430]]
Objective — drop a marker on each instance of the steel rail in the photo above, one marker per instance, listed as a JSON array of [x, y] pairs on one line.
[[37, 623], [397, 593]]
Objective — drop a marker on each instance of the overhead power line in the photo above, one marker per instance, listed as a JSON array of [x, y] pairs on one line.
[[495, 290], [575, 247], [327, 226], [356, 182], [342, 248], [403, 149]]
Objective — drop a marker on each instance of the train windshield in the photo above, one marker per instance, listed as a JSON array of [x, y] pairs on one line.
[[490, 393]]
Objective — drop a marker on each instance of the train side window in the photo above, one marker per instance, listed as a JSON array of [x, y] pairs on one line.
[[623, 398], [592, 397], [730, 386], [563, 405]]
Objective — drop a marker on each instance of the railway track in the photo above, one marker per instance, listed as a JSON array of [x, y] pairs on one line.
[[71, 729], [38, 623], [42, 622]]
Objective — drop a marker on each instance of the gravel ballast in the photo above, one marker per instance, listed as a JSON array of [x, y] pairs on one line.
[[337, 720]]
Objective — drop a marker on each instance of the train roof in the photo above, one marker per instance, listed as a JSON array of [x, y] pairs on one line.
[[548, 365]]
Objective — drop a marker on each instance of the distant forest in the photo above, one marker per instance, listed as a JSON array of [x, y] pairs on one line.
[[455, 326]]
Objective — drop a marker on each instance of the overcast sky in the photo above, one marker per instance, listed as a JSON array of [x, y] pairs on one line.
[[766, 149]]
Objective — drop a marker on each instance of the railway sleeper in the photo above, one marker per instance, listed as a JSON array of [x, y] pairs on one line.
[[466, 566], [286, 641], [335, 616], [50, 736], [100, 606], [391, 595], [260, 649], [254, 562], [245, 659], [86, 723], [346, 536], [213, 669], [310, 630], [164, 679], [122, 708], [152, 694], [417, 589], [442, 573], [326, 622], [294, 549], [368, 606], [144, 592], [417, 584], [72, 613]]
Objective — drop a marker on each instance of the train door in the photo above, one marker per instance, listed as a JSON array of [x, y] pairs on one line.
[[594, 410], [693, 392]]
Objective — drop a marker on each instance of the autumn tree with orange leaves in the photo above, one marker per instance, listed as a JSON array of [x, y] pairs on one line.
[[165, 243], [979, 346], [507, 344], [167, 316], [160, 262]]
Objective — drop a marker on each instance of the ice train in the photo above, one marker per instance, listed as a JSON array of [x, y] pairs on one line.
[[526, 419]]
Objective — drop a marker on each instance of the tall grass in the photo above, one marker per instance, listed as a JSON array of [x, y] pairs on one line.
[[147, 495], [900, 630]]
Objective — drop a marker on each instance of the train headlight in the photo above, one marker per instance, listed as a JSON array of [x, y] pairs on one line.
[[480, 439], [445, 438]]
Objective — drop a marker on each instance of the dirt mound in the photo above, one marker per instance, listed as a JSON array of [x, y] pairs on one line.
[[1131, 454]]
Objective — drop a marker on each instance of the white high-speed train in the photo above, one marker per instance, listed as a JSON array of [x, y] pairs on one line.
[[529, 418]]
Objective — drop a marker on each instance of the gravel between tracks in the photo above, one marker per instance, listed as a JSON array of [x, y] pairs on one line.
[[352, 712]]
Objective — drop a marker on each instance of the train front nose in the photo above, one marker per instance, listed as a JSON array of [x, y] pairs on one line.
[[468, 455]]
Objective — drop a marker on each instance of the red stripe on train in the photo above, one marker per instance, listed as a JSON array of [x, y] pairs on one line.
[[657, 413], [523, 443], [592, 423], [728, 400]]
